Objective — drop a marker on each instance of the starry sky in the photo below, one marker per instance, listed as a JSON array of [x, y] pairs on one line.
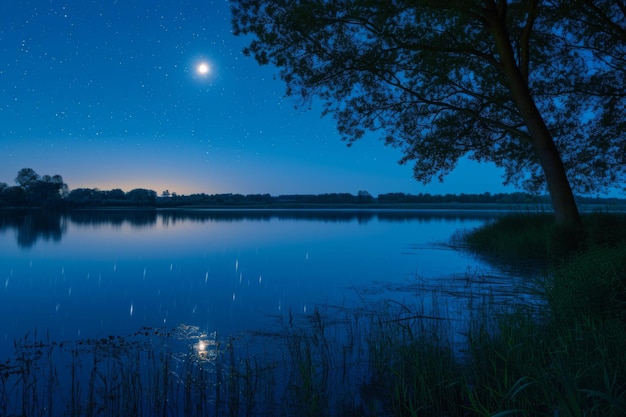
[[157, 94]]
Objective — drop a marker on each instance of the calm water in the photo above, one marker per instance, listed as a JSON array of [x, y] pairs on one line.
[[94, 274]]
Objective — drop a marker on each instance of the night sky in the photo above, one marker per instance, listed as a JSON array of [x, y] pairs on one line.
[[157, 94]]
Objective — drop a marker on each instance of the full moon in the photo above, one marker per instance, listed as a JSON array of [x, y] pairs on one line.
[[203, 68]]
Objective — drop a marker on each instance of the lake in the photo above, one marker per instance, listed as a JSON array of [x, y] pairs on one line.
[[100, 274], [91, 274]]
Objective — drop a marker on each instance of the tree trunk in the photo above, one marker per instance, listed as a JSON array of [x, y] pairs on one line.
[[563, 203], [562, 198]]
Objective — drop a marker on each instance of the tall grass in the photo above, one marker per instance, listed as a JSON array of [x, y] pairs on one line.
[[569, 358], [401, 364], [537, 236]]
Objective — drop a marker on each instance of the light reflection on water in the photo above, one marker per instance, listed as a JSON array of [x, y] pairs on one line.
[[95, 274]]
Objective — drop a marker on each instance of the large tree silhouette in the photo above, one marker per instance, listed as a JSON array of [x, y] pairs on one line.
[[535, 86]]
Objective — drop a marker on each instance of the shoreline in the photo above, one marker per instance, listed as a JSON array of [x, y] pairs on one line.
[[422, 207]]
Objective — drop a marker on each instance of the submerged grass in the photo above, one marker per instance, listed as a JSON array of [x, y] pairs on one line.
[[563, 357]]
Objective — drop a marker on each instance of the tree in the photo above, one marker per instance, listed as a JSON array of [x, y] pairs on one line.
[[512, 82], [364, 196], [26, 177], [116, 194], [13, 197], [141, 196], [47, 191]]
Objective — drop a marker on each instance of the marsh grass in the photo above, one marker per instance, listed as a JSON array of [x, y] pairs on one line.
[[536, 236], [138, 375], [569, 357], [562, 356], [517, 236], [592, 284], [390, 361]]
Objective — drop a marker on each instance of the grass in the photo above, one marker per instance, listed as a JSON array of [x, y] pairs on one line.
[[565, 356], [569, 357], [536, 236]]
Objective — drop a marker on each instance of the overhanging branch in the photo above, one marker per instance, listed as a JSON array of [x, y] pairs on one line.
[[525, 40]]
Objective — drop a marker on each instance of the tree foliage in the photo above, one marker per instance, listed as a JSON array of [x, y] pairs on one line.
[[27, 177], [500, 81], [92, 197], [34, 190]]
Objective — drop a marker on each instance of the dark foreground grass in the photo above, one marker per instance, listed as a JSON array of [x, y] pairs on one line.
[[536, 236], [565, 357], [569, 358]]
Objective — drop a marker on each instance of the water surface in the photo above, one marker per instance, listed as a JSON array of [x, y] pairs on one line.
[[93, 274]]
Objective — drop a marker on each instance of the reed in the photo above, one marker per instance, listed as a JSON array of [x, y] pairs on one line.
[[404, 365], [565, 358], [536, 236]]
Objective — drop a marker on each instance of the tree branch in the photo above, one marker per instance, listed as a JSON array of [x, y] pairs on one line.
[[620, 31], [463, 110], [525, 40]]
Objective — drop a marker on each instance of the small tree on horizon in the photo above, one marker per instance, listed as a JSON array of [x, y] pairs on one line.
[[537, 86], [26, 177], [41, 191]]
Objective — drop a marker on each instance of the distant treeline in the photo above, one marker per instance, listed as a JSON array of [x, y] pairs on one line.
[[33, 190], [361, 198]]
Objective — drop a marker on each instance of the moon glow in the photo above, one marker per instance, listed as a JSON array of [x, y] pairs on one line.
[[203, 69]]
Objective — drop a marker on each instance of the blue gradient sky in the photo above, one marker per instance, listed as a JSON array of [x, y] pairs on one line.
[[105, 93]]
